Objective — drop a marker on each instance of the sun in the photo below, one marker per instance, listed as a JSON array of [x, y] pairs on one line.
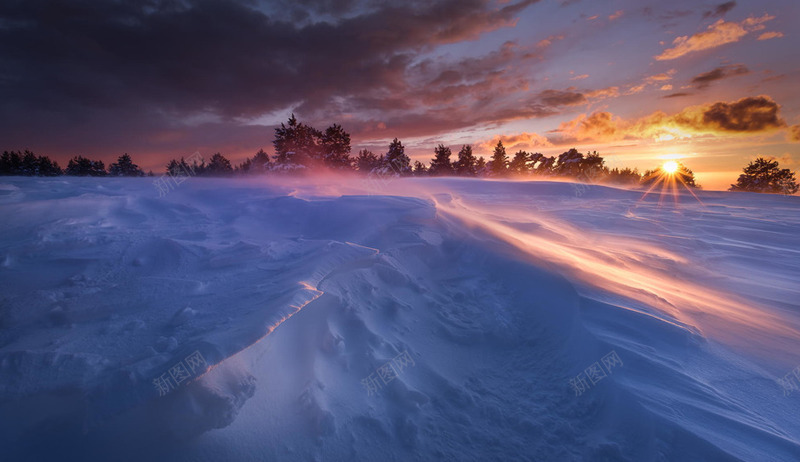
[[670, 167]]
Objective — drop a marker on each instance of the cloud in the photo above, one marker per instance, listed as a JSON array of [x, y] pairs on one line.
[[677, 95], [720, 10], [513, 143], [636, 89], [545, 43], [707, 78], [555, 98], [126, 66], [666, 87], [770, 35], [603, 93], [669, 15], [794, 133], [598, 126], [717, 34], [580, 77], [656, 79], [661, 77], [618, 14], [747, 116]]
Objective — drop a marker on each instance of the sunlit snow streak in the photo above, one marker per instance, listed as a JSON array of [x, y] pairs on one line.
[[634, 273], [624, 266]]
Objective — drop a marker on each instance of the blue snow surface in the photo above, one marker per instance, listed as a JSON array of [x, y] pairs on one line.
[[340, 319]]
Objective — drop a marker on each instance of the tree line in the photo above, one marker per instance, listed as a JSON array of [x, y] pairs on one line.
[[300, 147], [26, 163]]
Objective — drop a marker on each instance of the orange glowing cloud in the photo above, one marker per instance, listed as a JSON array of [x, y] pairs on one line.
[[717, 34], [544, 43], [524, 141], [794, 133], [597, 126], [603, 93], [770, 35], [747, 116], [651, 80]]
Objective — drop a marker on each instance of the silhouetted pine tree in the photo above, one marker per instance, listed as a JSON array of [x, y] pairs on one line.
[[81, 166], [546, 166], [245, 167], [535, 158], [182, 168], [569, 163], [499, 162], [396, 161], [218, 166], [366, 161], [10, 163], [30, 164], [466, 163], [440, 164], [296, 143], [592, 167], [335, 147], [27, 164], [480, 167], [124, 166], [766, 176], [48, 167], [261, 162], [519, 164], [624, 176]]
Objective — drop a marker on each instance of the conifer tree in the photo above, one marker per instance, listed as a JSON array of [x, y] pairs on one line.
[[499, 161], [335, 147], [396, 160], [480, 166], [82, 166], [440, 164], [519, 164], [366, 161], [466, 165], [766, 176], [124, 166], [218, 165], [296, 143]]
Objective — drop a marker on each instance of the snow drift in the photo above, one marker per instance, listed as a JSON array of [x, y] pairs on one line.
[[423, 319]]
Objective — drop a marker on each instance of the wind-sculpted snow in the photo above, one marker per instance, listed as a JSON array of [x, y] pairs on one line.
[[333, 319]]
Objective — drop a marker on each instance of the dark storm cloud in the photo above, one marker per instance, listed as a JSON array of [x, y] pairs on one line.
[[707, 78], [72, 64], [211, 55], [720, 10], [747, 115]]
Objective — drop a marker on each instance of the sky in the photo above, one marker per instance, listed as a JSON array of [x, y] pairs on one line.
[[710, 83]]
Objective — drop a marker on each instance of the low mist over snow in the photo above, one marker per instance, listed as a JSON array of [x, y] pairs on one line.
[[400, 319]]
